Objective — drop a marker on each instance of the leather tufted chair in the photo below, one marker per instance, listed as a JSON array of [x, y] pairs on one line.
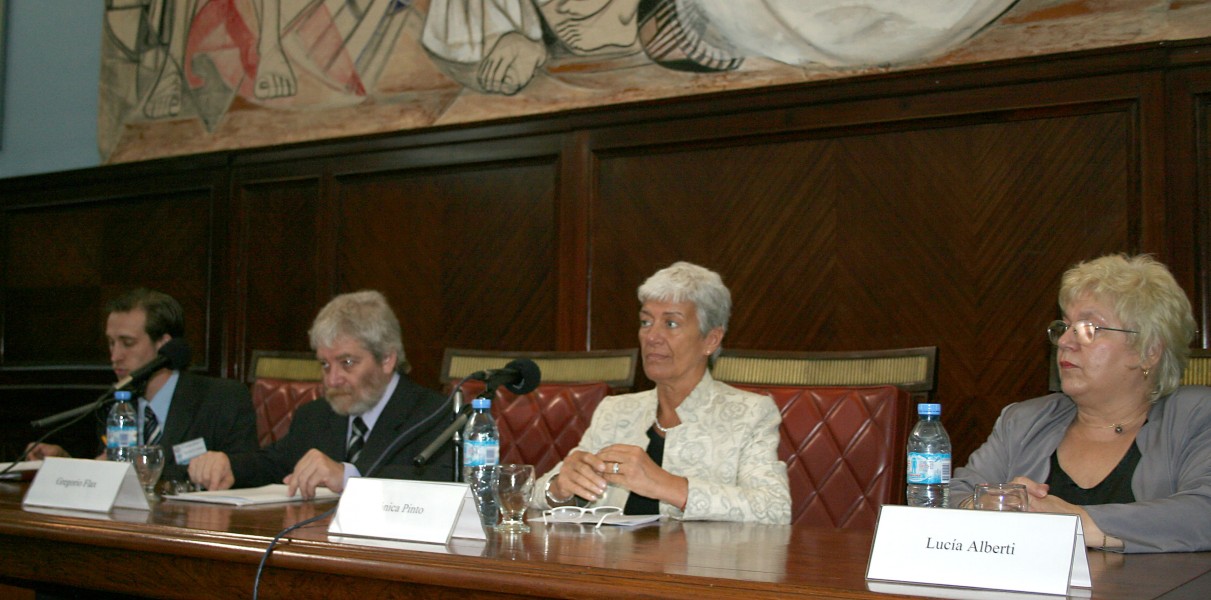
[[844, 450], [615, 367], [281, 382], [845, 423], [910, 369], [541, 427]]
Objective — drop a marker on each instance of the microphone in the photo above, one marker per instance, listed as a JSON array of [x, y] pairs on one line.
[[442, 438], [173, 354], [520, 376]]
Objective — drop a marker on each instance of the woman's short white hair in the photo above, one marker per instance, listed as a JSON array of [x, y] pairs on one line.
[[366, 317], [687, 282], [1146, 297]]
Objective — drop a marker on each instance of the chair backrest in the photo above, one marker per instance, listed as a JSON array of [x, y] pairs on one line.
[[541, 427], [1198, 370], [615, 367], [911, 369], [281, 382], [844, 450]]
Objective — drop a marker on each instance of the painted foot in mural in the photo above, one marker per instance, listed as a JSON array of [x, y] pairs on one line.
[[274, 78], [165, 97], [511, 64]]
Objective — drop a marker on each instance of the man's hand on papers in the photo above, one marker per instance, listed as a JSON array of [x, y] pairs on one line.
[[212, 471], [314, 470]]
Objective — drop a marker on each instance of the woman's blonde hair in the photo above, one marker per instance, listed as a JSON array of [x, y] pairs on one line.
[[1146, 297]]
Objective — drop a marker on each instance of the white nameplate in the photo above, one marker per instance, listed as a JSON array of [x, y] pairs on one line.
[[82, 484], [397, 509], [1024, 552]]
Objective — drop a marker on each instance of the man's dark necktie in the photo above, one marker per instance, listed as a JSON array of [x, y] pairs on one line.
[[356, 441], [151, 427]]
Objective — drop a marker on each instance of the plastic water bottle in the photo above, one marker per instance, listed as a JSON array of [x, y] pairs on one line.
[[121, 429], [928, 459], [481, 448]]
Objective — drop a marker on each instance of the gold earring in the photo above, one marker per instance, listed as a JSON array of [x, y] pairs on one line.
[[1146, 371]]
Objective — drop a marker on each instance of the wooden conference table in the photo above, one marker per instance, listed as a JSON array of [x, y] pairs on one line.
[[185, 550]]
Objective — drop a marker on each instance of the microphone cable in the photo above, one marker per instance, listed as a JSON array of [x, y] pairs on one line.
[[256, 585]]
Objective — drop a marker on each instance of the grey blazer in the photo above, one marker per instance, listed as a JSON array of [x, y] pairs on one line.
[[1172, 483]]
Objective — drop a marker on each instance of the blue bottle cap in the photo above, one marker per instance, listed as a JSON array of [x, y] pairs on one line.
[[481, 402], [929, 409], [122, 395]]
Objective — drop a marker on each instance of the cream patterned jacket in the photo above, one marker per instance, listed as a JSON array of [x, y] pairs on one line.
[[726, 446]]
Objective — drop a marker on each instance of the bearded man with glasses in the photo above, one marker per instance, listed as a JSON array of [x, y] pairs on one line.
[[373, 419], [1124, 446]]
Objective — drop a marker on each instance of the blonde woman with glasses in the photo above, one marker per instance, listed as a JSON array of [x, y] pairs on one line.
[[1123, 446]]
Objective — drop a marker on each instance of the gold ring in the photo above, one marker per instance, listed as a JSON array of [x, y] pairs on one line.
[[616, 468]]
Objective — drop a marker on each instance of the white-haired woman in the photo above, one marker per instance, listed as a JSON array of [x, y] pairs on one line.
[[692, 448], [1124, 447]]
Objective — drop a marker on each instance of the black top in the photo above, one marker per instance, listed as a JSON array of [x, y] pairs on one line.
[[642, 505], [1114, 489]]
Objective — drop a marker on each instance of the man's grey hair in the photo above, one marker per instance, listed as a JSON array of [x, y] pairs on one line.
[[366, 317]]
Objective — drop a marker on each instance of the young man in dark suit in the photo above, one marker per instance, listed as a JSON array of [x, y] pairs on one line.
[[183, 412], [369, 403]]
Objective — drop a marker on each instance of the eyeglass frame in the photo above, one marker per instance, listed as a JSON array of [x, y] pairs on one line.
[[580, 512], [1072, 327]]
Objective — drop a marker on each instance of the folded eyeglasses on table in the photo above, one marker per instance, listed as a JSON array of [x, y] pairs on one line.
[[579, 514]]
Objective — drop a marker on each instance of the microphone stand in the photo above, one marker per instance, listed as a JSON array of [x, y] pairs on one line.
[[457, 438], [444, 437], [72, 417], [452, 432]]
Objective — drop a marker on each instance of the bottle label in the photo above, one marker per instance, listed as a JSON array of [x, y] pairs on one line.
[[478, 453], [121, 437], [928, 467]]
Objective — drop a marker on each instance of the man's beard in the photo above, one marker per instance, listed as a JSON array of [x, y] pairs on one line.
[[351, 403]]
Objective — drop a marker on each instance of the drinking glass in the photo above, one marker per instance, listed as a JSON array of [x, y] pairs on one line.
[[513, 486], [1006, 497], [149, 463]]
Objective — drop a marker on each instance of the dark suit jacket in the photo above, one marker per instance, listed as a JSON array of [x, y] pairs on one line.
[[216, 410], [315, 425]]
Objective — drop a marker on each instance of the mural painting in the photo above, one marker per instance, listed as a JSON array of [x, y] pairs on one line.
[[182, 76]]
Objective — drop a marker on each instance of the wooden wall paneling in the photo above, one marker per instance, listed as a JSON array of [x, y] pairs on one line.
[[280, 280], [942, 230], [1188, 167], [576, 196], [462, 240], [68, 249]]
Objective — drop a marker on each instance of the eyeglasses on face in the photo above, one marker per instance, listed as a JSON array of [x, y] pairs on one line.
[[1083, 331], [576, 514]]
